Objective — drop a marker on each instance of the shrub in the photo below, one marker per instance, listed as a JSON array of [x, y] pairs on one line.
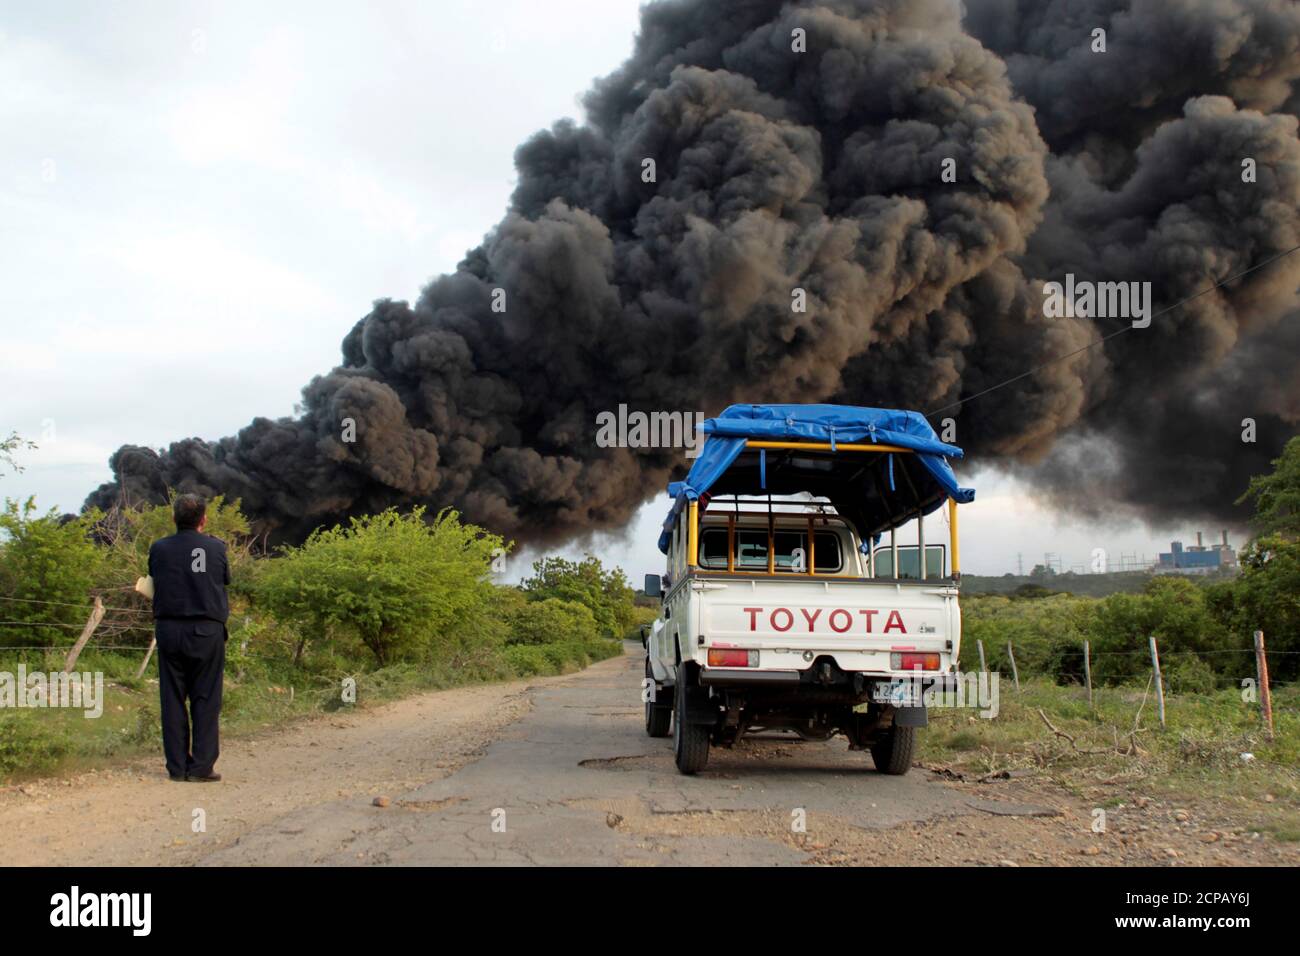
[[30, 744], [551, 621], [528, 660], [48, 565], [1189, 675], [396, 582], [606, 593]]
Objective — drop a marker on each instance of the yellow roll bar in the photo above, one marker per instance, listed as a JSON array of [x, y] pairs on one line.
[[952, 537], [693, 515], [823, 446], [693, 536]]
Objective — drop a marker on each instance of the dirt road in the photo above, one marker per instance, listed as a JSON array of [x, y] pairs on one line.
[[559, 771]]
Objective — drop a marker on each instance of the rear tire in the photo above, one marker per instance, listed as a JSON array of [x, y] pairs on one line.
[[893, 752], [690, 741], [658, 715]]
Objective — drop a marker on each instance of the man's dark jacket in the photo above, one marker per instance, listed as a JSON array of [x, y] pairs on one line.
[[179, 592]]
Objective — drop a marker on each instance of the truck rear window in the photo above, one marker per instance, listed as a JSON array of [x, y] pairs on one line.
[[751, 550]]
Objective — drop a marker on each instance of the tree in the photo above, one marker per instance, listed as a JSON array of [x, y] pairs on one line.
[[10, 445], [395, 581], [1277, 495], [1173, 609], [48, 565], [1265, 597], [126, 534], [606, 593], [550, 621], [129, 532]]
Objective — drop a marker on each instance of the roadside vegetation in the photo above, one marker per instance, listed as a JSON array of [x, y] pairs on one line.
[[393, 603], [384, 606], [1212, 751], [1213, 745]]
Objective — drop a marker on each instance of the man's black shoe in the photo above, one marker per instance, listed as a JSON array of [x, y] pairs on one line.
[[205, 778]]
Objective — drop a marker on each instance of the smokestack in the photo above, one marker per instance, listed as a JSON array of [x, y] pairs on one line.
[[1225, 537], [913, 181], [1199, 544]]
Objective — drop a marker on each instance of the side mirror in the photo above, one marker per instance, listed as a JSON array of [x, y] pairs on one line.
[[653, 588]]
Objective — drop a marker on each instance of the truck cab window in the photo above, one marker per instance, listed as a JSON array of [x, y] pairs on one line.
[[751, 550]]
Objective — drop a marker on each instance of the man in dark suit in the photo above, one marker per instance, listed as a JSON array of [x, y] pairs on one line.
[[190, 573]]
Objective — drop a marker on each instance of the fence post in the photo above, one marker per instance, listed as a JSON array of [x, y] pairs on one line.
[[1160, 687], [92, 622], [1087, 671], [983, 667], [1015, 674], [1261, 671], [148, 655]]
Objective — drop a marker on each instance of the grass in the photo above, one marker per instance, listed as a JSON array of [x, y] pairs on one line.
[[263, 690], [1197, 756]]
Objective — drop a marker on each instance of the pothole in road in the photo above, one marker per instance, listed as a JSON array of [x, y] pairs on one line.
[[429, 806], [613, 763], [634, 818]]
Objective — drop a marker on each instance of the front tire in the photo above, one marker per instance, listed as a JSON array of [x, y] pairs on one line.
[[690, 741], [658, 715], [893, 752]]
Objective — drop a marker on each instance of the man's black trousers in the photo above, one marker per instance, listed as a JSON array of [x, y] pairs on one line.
[[191, 659]]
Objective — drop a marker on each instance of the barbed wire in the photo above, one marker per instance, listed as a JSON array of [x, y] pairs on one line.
[[84, 607], [1144, 652], [64, 650]]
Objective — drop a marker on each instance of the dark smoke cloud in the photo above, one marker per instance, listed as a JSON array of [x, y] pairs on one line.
[[1146, 184], [820, 170]]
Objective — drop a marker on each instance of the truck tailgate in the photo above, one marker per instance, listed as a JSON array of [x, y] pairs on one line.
[[857, 621]]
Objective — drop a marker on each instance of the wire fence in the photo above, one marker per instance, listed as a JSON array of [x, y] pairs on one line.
[[87, 608]]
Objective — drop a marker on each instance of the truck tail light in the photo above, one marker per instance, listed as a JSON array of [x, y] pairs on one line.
[[726, 657], [913, 660]]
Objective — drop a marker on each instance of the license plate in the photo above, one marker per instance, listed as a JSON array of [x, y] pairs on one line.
[[901, 693]]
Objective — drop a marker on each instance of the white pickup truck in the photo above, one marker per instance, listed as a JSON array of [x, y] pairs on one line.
[[776, 616]]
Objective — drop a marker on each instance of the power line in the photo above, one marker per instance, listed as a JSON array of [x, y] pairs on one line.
[[1108, 337]]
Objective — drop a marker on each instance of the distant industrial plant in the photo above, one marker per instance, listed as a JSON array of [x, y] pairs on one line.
[[1197, 559]]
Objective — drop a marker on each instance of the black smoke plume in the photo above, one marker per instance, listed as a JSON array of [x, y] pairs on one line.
[[778, 169]]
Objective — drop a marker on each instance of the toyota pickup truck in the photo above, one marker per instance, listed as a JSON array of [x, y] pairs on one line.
[[793, 597]]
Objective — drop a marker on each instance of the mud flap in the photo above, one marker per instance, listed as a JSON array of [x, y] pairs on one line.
[[701, 710], [910, 717]]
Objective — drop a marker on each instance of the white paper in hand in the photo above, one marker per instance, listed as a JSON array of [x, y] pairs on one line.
[[145, 586]]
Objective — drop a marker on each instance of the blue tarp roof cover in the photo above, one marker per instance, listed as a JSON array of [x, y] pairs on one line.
[[874, 493]]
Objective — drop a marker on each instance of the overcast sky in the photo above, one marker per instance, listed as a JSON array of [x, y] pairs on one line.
[[198, 200]]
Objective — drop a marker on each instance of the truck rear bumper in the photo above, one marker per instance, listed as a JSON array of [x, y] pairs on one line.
[[741, 677], [746, 677]]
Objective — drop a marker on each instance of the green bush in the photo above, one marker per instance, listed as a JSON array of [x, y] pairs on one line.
[[47, 568], [29, 743], [1189, 675], [1047, 633], [1265, 597], [550, 621], [605, 593], [1171, 609], [528, 660], [397, 583]]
